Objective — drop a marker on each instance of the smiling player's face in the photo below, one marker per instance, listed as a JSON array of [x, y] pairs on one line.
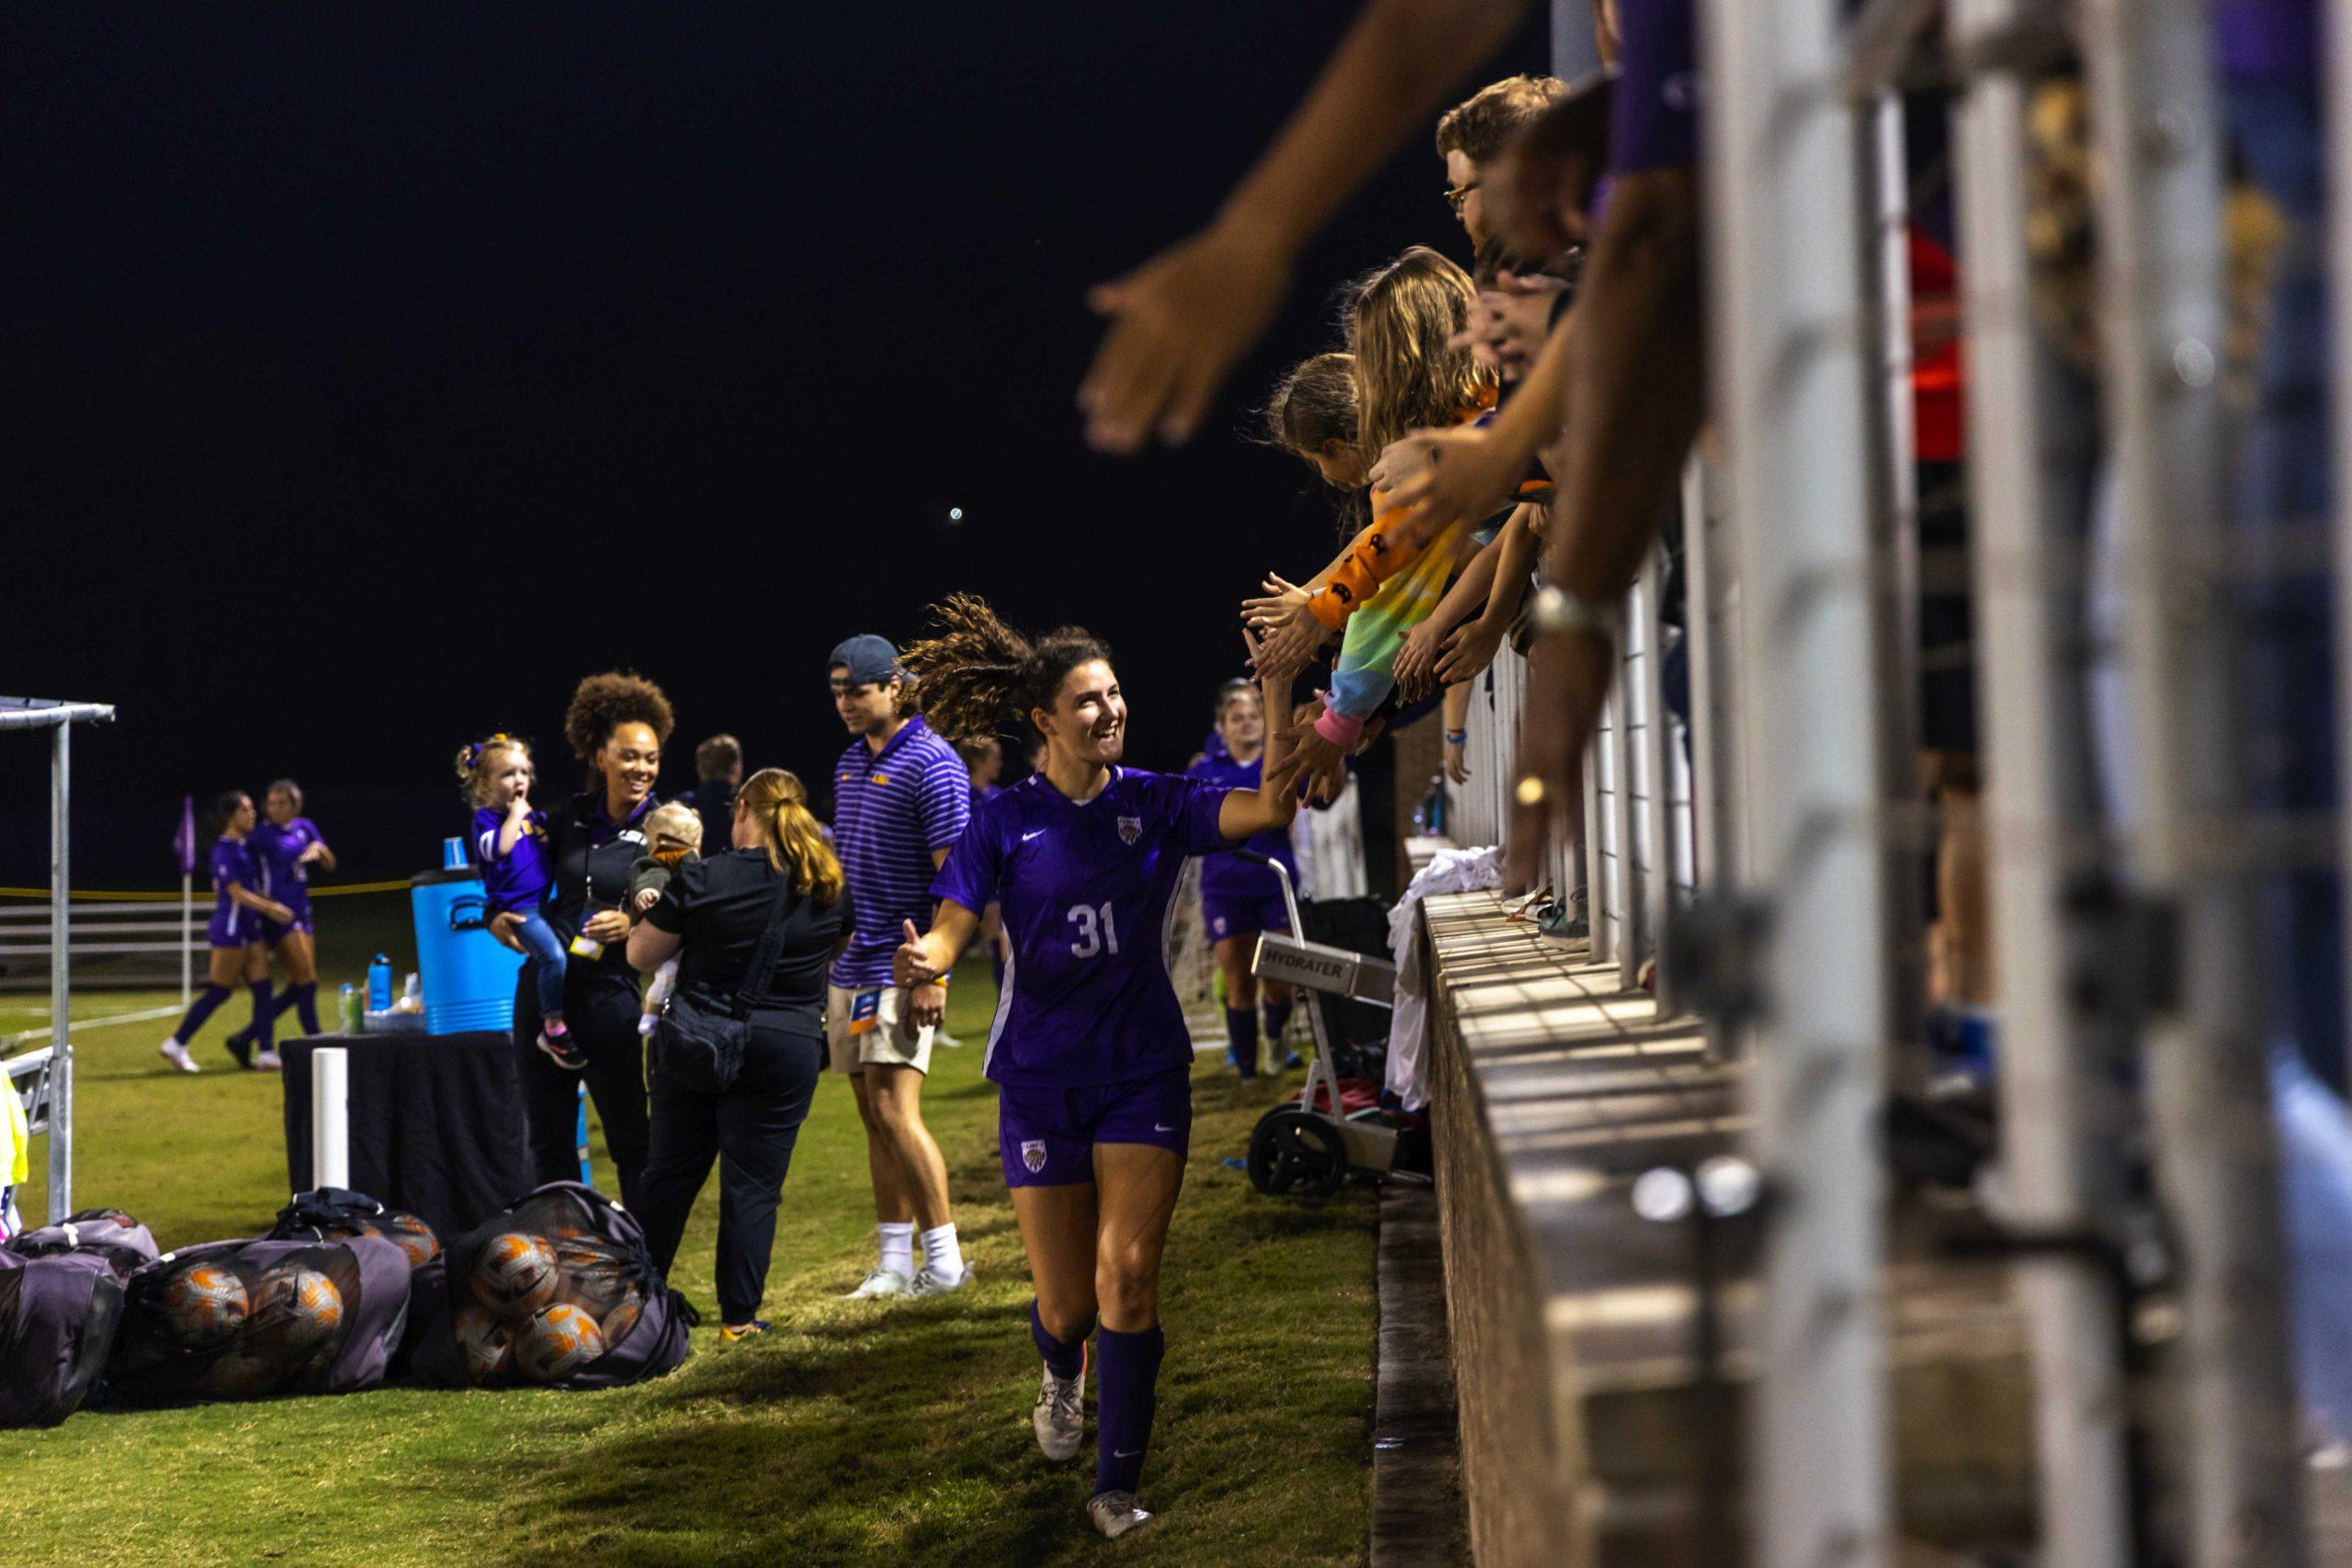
[[281, 807], [1089, 719]]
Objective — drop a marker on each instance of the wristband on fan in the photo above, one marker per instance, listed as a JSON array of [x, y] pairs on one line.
[[1457, 737], [1340, 730]]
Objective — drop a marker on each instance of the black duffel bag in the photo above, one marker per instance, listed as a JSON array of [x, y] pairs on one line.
[[698, 1041], [59, 1315]]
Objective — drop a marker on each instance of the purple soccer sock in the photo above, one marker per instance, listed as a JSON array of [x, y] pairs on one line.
[[1127, 1372], [265, 1016], [1065, 1358], [198, 1010], [1241, 1032], [1277, 1021], [306, 1006]]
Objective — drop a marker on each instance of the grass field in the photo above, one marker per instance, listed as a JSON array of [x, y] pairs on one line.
[[855, 1433]]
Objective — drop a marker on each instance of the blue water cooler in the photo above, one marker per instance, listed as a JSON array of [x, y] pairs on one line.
[[468, 974]]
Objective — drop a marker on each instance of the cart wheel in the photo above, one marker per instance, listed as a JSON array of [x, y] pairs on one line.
[[1295, 1154]]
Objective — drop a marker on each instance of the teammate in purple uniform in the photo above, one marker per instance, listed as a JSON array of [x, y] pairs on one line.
[[286, 845], [1240, 898], [1089, 1049], [234, 936]]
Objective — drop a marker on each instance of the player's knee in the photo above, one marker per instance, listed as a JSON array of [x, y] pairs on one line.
[[1127, 1287]]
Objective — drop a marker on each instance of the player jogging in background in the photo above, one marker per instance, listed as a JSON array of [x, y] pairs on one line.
[[234, 936], [1240, 899], [900, 798], [286, 845], [1089, 1049]]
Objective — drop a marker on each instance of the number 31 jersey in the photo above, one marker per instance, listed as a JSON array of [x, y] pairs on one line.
[[1086, 893]]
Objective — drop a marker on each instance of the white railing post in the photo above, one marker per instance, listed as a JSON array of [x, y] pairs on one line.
[[1657, 756], [1793, 395], [2060, 1133], [60, 1039], [330, 1116], [2163, 322]]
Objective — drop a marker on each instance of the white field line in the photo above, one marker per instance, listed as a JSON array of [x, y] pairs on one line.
[[145, 1015]]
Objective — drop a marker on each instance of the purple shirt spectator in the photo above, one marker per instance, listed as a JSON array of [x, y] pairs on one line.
[[1654, 117], [1085, 892], [278, 860], [518, 881], [891, 809]]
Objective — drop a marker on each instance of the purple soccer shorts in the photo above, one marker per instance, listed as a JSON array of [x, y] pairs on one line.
[[273, 932], [1047, 1135], [1239, 917]]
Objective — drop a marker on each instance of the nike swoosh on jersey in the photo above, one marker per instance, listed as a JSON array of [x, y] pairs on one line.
[[1158, 1128], [1031, 834]]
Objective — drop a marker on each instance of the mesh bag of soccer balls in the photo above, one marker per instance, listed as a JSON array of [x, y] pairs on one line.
[[337, 1213], [253, 1319], [558, 1291]]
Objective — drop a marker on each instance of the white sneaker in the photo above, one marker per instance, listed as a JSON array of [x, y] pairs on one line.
[[1060, 1416], [175, 1052], [268, 1061], [927, 1284], [1114, 1512], [881, 1282], [942, 1038]]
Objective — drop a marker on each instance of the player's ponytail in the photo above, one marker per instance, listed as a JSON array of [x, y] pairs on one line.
[[779, 802], [974, 668]]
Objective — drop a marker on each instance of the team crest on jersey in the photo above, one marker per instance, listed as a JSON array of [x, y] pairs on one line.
[[1130, 829], [1032, 1155]]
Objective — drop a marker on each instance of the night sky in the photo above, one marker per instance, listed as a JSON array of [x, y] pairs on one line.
[[376, 372]]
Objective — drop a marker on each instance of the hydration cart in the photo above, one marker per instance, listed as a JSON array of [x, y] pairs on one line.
[[1303, 1148]]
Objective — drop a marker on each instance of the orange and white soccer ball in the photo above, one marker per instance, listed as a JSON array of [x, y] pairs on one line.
[[246, 1373], [300, 1308], [205, 1303], [516, 1273], [413, 1236], [557, 1341], [622, 1318], [485, 1343]]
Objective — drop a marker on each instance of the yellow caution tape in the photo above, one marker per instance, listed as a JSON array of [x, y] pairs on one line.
[[86, 895]]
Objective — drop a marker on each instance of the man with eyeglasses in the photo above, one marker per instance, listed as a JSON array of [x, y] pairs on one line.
[[1473, 133], [901, 798]]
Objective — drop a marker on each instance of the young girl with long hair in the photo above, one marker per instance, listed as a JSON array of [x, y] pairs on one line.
[[1089, 1049], [235, 937], [508, 843]]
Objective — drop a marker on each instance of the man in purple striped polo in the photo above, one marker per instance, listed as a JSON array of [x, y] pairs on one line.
[[901, 798]]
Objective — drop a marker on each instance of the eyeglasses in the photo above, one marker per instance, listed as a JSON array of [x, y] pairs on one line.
[[1459, 195]]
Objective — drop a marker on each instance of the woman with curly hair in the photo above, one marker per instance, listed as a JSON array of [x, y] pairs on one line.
[[618, 724], [1088, 1050]]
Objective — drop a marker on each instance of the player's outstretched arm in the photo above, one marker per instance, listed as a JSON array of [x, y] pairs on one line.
[[1248, 812], [924, 958], [1181, 321]]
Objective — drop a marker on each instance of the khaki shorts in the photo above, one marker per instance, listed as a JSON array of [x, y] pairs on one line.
[[893, 1040]]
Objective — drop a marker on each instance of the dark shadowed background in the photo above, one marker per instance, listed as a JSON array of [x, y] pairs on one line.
[[376, 372]]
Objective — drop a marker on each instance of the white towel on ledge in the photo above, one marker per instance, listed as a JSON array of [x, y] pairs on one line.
[[1453, 870]]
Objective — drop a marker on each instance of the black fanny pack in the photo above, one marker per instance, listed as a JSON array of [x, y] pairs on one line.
[[699, 1041]]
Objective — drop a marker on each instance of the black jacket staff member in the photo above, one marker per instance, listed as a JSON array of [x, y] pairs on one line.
[[617, 723], [715, 910]]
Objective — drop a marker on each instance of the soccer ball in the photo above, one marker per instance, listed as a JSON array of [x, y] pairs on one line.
[[557, 1340], [300, 1307], [205, 1303], [484, 1342], [247, 1372], [592, 1274], [622, 1318], [516, 1274], [413, 1236]]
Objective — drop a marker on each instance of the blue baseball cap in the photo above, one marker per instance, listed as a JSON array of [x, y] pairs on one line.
[[871, 661]]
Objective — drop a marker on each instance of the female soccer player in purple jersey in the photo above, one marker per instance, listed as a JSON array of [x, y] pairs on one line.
[[1088, 1050], [234, 936], [1240, 899], [286, 847]]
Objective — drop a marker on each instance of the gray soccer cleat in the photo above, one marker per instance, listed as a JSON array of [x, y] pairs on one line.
[[927, 1284], [880, 1283], [1114, 1512], [1060, 1416]]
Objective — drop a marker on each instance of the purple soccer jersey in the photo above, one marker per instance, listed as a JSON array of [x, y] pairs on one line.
[[518, 881], [1086, 892], [277, 861], [1224, 874], [232, 924], [1654, 113]]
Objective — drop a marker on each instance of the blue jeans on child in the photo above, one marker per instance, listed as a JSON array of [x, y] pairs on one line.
[[546, 948]]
